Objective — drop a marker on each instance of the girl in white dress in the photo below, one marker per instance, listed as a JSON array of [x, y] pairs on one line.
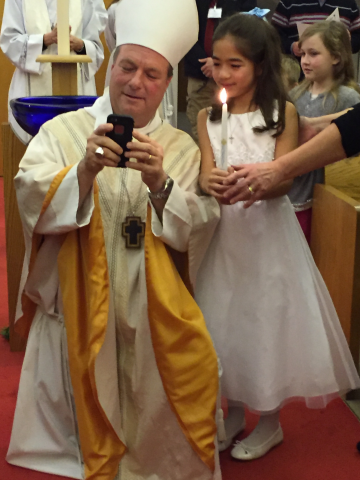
[[266, 305]]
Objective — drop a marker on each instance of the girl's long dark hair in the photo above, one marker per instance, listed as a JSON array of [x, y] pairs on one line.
[[259, 42]]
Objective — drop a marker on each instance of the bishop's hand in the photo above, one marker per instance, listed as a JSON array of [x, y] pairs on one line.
[[101, 151], [149, 157]]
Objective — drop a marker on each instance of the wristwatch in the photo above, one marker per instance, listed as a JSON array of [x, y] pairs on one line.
[[164, 192]]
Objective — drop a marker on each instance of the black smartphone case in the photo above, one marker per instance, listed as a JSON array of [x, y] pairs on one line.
[[121, 134]]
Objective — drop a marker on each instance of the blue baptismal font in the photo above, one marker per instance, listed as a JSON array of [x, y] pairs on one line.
[[32, 112]]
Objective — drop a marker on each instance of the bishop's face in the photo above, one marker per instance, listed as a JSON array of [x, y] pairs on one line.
[[139, 79]]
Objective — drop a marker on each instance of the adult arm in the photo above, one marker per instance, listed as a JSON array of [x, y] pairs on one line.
[[43, 160], [72, 204], [309, 127], [349, 126], [318, 152], [102, 14], [91, 38], [189, 218], [21, 49], [339, 140], [110, 34], [286, 142], [320, 123]]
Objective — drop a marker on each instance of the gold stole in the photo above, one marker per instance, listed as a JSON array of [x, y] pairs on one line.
[[183, 349]]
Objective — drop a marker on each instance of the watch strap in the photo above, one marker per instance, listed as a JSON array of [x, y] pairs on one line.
[[164, 192]]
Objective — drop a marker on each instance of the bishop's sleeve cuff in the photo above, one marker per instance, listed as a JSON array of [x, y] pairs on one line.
[[176, 223], [63, 214]]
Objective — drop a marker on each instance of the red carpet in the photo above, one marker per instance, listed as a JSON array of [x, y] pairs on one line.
[[319, 444]]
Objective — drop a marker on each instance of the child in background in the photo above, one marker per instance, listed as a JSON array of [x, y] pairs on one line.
[[290, 72], [266, 306], [328, 87]]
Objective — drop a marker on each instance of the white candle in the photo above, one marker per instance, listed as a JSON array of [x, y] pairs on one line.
[[63, 31], [224, 131]]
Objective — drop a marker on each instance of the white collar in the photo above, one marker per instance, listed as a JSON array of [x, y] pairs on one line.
[[102, 108]]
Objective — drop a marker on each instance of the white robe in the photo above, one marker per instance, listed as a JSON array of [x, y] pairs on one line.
[[44, 435], [22, 49], [169, 105]]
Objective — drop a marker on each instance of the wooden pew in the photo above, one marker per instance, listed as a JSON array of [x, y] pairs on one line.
[[345, 176], [335, 244]]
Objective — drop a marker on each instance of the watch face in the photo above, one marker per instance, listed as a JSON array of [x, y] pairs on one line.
[[169, 184]]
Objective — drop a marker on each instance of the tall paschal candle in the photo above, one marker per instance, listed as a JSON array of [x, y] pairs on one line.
[[63, 27]]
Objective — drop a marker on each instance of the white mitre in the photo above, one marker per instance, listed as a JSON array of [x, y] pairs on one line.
[[170, 27]]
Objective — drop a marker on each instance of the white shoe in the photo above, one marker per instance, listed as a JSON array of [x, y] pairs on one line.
[[226, 443], [242, 452]]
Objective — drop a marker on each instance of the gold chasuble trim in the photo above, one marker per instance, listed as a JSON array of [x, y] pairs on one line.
[[84, 283], [23, 324], [184, 351]]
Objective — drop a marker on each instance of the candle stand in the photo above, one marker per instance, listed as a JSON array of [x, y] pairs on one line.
[[64, 72]]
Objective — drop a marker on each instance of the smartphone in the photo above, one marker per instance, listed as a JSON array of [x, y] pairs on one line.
[[121, 133]]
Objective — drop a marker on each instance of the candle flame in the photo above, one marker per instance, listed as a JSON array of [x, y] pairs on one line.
[[223, 95]]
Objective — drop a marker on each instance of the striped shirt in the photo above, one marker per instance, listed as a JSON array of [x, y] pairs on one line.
[[289, 12]]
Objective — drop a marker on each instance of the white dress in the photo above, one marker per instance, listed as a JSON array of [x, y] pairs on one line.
[[265, 303]]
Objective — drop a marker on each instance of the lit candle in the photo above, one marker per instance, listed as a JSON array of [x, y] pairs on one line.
[[224, 130], [63, 30]]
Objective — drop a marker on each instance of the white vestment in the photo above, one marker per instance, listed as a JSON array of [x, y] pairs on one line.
[[22, 42], [129, 386], [169, 105]]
